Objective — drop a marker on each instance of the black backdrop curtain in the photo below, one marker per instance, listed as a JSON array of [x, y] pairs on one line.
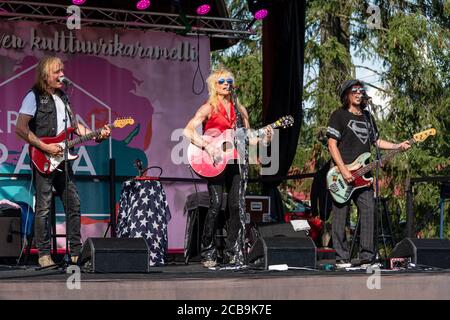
[[283, 59]]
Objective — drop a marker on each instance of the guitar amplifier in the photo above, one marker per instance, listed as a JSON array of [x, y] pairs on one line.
[[257, 209], [10, 241]]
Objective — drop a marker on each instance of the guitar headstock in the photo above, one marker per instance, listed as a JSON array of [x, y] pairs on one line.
[[122, 122], [284, 122], [421, 136]]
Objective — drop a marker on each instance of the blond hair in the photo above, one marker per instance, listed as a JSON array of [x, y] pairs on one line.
[[43, 71], [211, 81]]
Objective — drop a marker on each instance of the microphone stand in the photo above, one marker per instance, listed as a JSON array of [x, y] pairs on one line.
[[240, 142], [67, 259], [373, 137]]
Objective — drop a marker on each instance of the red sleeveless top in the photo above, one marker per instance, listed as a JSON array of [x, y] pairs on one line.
[[219, 119]]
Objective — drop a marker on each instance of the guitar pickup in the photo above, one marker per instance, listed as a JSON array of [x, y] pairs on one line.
[[334, 187]]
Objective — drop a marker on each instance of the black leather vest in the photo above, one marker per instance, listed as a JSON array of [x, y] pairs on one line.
[[44, 122]]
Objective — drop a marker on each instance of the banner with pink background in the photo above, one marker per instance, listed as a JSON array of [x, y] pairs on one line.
[[156, 78]]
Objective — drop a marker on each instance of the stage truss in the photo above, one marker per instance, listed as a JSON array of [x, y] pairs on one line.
[[214, 27]]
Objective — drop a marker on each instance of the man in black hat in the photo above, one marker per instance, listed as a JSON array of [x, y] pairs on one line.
[[351, 131]]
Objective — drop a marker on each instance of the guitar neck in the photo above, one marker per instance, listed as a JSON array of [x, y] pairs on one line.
[[86, 137], [386, 157], [261, 131]]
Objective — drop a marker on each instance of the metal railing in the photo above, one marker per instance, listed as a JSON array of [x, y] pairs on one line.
[[214, 27]]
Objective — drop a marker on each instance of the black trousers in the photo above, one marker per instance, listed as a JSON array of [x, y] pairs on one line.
[[229, 182], [364, 199], [43, 185]]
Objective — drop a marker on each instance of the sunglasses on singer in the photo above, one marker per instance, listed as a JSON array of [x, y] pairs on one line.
[[222, 81], [359, 90]]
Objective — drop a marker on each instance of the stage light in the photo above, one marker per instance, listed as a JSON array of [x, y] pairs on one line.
[[78, 2], [258, 8], [143, 4], [203, 8]]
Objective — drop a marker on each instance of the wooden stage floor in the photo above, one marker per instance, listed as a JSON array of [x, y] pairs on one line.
[[177, 281]]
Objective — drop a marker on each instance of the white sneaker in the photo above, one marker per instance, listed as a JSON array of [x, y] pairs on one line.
[[341, 264], [209, 263]]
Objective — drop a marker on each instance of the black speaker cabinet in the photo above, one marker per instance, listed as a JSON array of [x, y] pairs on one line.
[[10, 244], [115, 255], [280, 244], [427, 252]]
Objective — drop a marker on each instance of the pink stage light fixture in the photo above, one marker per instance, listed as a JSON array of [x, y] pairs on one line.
[[203, 9], [143, 4], [261, 14], [258, 8], [78, 2]]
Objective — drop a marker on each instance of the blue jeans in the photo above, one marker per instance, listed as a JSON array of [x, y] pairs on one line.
[[43, 185]]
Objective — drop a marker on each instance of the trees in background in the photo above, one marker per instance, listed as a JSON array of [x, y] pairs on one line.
[[406, 45]]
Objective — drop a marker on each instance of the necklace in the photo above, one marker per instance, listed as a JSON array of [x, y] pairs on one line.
[[356, 113]]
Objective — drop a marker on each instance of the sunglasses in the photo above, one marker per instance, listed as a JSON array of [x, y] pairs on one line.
[[359, 90], [222, 81]]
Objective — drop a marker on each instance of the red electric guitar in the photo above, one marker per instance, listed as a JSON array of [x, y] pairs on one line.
[[205, 166], [46, 163]]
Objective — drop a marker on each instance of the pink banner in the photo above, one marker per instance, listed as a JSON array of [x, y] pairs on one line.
[[155, 78]]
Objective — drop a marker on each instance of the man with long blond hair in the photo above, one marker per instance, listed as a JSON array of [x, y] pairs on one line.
[[42, 114], [216, 116]]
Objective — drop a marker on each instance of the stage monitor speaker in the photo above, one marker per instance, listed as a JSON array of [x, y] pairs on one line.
[[10, 244], [115, 255], [426, 252], [281, 244]]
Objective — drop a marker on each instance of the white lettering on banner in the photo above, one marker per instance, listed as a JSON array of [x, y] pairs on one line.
[[10, 120], [11, 42], [3, 153], [1, 131], [21, 165], [89, 167], [80, 120], [68, 43]]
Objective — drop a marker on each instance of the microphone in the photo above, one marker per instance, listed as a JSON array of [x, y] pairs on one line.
[[64, 81], [138, 165], [366, 100], [366, 97]]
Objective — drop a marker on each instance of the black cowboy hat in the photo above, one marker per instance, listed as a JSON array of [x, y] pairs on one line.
[[347, 85]]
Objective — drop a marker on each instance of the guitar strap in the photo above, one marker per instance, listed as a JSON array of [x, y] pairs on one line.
[[372, 133]]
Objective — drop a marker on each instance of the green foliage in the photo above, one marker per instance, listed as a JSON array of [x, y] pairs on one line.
[[248, 73], [244, 60], [412, 45]]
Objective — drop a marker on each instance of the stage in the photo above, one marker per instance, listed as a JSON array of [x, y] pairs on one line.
[[178, 281]]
